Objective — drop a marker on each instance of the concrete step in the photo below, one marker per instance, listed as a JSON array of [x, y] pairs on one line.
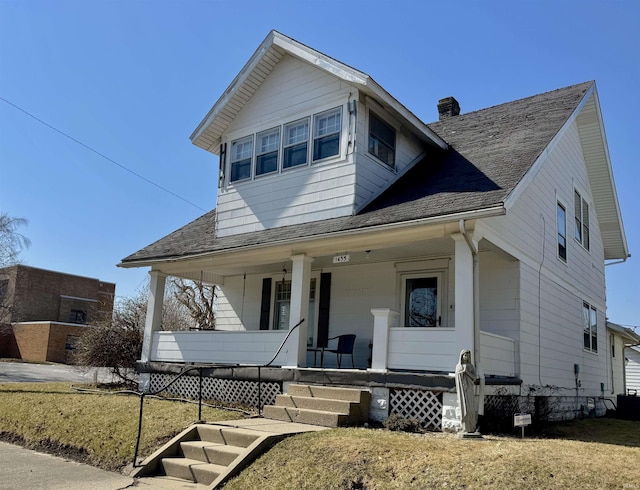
[[210, 452], [306, 416], [191, 470], [231, 436], [324, 404], [329, 392]]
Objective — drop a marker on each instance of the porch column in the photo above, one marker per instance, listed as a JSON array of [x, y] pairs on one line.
[[299, 309], [153, 321], [382, 321], [464, 304]]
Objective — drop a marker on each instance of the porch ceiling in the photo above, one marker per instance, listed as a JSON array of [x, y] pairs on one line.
[[214, 270]]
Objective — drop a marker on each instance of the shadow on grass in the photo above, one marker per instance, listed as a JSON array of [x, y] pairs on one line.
[[604, 430]]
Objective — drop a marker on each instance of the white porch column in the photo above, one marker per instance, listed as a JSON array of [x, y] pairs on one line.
[[464, 305], [299, 309], [153, 321], [383, 318]]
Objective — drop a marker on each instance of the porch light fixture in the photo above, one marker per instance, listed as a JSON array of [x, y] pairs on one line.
[[366, 254], [284, 273]]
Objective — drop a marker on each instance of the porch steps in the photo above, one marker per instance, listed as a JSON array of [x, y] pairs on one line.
[[207, 455], [321, 405]]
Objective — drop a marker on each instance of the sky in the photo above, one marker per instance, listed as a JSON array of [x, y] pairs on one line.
[[95, 95]]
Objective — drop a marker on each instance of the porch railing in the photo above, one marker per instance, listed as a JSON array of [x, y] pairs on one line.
[[433, 349]]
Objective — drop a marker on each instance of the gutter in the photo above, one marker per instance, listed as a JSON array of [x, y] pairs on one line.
[[450, 218]]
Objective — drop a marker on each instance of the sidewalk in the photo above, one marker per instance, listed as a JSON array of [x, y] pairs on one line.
[[26, 469]]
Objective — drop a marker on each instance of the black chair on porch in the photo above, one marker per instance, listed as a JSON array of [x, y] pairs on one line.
[[345, 346]]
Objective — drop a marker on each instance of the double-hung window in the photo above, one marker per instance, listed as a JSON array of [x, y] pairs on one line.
[[382, 140], [326, 133], [241, 155], [590, 325], [562, 232], [582, 220], [296, 143], [267, 150]]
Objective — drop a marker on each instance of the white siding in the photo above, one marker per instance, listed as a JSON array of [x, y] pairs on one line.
[[373, 176], [499, 295], [551, 299], [633, 368], [307, 193]]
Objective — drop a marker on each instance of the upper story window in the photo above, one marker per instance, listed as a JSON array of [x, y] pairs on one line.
[[590, 325], [241, 156], [582, 220], [326, 133], [267, 151], [382, 140], [296, 143], [562, 232]]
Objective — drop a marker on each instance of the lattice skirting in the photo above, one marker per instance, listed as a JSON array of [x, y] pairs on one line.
[[225, 390], [424, 406]]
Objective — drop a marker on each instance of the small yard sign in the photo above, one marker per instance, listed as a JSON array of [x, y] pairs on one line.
[[341, 259], [522, 420]]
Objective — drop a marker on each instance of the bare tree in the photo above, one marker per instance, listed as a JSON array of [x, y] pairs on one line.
[[116, 343], [11, 241], [199, 299]]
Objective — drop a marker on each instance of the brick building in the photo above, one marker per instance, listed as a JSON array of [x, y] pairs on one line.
[[43, 312]]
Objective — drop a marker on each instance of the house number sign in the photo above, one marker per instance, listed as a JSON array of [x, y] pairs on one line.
[[341, 259]]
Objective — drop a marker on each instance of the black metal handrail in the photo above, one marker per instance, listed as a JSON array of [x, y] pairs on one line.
[[142, 394]]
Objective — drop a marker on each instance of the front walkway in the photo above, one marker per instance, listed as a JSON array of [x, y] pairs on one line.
[[24, 468]]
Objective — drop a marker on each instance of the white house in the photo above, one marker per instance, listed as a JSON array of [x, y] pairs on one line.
[[624, 359], [337, 206]]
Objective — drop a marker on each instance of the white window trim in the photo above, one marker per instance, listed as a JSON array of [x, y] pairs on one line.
[[559, 202], [272, 311], [279, 129], [232, 161], [340, 133], [395, 138], [591, 307], [285, 146], [583, 201]]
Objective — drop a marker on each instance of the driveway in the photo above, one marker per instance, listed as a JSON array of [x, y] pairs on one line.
[[18, 372]]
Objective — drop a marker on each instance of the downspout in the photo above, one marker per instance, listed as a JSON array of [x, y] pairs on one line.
[[476, 311]]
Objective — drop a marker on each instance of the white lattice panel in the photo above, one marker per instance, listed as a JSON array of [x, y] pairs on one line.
[[425, 406], [225, 390]]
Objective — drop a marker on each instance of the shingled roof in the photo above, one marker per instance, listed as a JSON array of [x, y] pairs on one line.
[[490, 152]]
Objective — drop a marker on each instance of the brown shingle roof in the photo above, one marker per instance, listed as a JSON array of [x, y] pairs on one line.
[[490, 151]]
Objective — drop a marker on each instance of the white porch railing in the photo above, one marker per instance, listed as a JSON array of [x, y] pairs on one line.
[[433, 349], [230, 347]]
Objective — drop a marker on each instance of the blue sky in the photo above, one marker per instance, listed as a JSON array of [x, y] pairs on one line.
[[132, 80]]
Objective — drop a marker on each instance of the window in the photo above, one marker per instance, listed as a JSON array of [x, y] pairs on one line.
[[326, 133], [241, 154], [78, 316], [582, 220], [562, 232], [4, 289], [382, 140], [267, 149], [421, 301], [296, 141], [590, 324], [283, 307]]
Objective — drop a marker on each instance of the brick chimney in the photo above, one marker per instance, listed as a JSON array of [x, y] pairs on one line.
[[448, 107]]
